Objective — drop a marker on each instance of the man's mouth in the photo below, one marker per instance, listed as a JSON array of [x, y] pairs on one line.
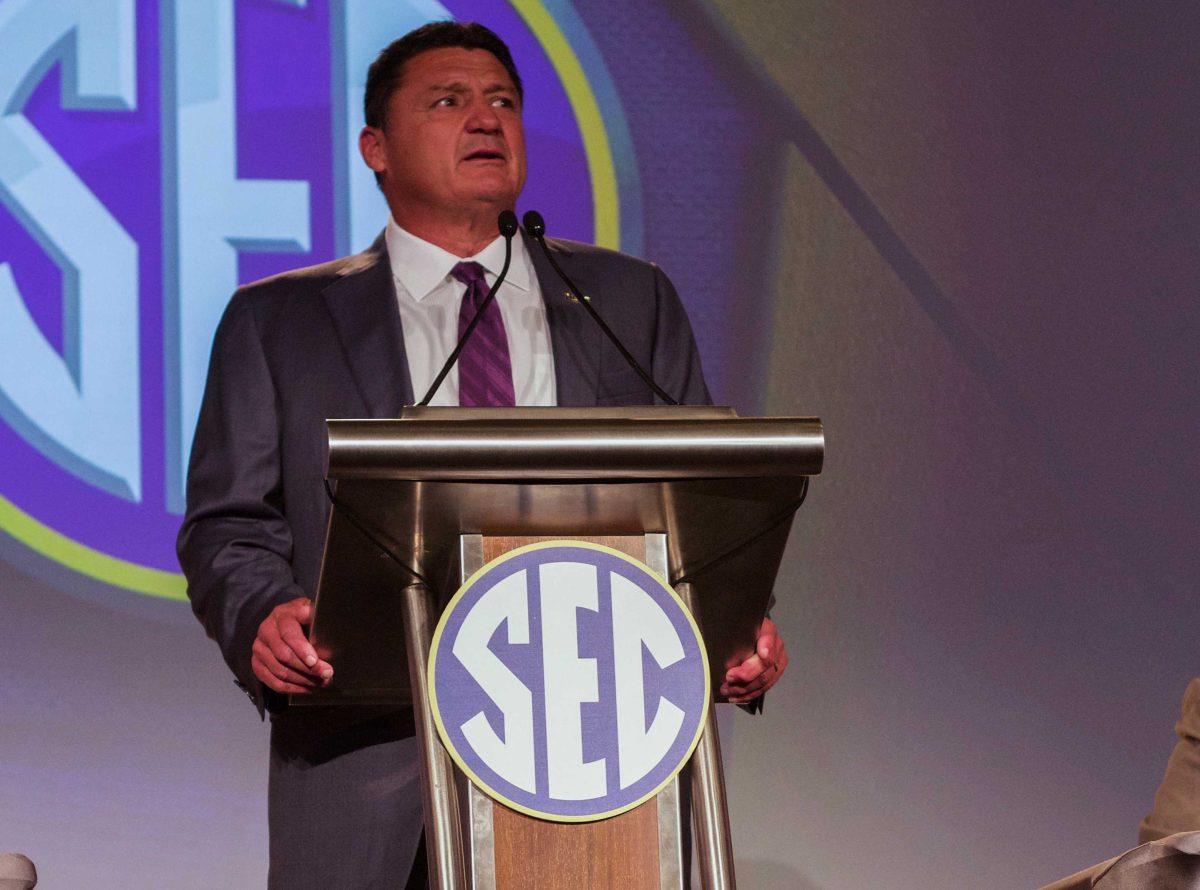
[[485, 154]]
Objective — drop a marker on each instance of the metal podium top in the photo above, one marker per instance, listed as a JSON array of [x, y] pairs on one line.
[[721, 487], [574, 443]]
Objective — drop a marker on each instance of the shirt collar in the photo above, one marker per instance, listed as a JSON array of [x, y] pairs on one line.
[[421, 267]]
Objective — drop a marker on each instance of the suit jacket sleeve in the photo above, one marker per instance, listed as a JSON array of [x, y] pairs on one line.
[[676, 361], [676, 368], [235, 545]]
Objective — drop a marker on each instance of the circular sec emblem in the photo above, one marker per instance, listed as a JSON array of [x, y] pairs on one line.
[[568, 681]]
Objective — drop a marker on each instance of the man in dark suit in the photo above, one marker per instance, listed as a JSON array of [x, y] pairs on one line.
[[359, 337]]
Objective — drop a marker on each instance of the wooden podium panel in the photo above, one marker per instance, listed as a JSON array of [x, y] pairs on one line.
[[620, 852]]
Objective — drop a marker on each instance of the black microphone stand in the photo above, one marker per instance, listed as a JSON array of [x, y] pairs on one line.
[[536, 227]]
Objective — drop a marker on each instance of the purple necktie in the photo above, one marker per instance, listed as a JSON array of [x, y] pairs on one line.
[[484, 367]]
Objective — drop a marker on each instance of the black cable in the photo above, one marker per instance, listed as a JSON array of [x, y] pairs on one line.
[[782, 516], [384, 548], [536, 227]]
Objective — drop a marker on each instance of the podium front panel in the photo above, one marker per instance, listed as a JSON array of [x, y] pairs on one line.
[[640, 849]]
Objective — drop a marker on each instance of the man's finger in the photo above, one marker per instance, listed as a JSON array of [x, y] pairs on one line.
[[736, 678], [262, 654], [273, 634], [282, 632], [767, 648], [278, 675], [272, 682], [768, 641], [291, 633], [746, 671], [740, 697], [758, 686], [761, 683], [739, 693], [299, 608], [283, 652], [737, 685], [291, 671], [287, 675]]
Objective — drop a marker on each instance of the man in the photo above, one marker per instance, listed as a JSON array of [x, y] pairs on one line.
[[359, 337]]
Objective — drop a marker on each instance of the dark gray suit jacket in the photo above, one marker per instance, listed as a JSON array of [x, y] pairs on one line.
[[325, 342]]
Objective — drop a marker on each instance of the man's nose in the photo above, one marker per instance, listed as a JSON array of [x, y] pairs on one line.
[[483, 119]]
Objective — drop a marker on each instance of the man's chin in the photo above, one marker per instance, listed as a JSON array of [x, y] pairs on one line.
[[500, 197]]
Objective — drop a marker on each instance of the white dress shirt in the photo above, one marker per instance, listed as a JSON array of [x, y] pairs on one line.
[[429, 300]]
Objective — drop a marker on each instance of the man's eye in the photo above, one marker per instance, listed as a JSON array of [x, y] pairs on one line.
[[444, 102], [503, 102]]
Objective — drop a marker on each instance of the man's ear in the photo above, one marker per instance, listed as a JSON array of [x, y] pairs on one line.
[[370, 146]]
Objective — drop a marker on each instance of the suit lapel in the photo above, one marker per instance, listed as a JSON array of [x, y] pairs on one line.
[[574, 338], [362, 302]]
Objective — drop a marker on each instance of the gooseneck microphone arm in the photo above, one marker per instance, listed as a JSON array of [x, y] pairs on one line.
[[508, 228], [536, 227]]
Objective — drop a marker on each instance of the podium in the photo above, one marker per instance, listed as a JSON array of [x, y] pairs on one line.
[[701, 496]]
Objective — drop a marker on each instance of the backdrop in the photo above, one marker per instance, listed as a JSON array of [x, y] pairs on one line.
[[964, 235]]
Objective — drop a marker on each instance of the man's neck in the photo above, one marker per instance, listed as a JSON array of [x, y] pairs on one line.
[[459, 234]]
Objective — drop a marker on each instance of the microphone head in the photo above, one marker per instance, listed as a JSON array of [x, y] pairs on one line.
[[534, 224], [507, 223]]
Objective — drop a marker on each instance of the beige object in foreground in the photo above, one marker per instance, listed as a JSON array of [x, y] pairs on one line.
[[1177, 803], [1171, 863], [1169, 856], [16, 872]]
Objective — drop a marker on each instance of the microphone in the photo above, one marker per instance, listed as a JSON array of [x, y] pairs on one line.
[[507, 222], [536, 227]]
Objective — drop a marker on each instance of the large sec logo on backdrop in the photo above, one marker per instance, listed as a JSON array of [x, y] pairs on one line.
[[568, 681], [154, 154]]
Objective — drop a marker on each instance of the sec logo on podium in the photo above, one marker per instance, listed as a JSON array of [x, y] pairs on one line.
[[568, 681]]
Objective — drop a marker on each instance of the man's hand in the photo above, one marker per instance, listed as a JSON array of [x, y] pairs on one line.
[[282, 658], [758, 673]]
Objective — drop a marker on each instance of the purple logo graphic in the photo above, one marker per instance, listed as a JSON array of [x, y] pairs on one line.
[[568, 681], [155, 154]]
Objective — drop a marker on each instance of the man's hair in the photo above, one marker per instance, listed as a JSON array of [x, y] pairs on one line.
[[386, 72]]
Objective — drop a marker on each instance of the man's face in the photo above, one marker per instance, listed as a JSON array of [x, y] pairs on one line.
[[452, 140]]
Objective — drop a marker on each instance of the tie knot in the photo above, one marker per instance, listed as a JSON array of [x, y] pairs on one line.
[[470, 274]]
